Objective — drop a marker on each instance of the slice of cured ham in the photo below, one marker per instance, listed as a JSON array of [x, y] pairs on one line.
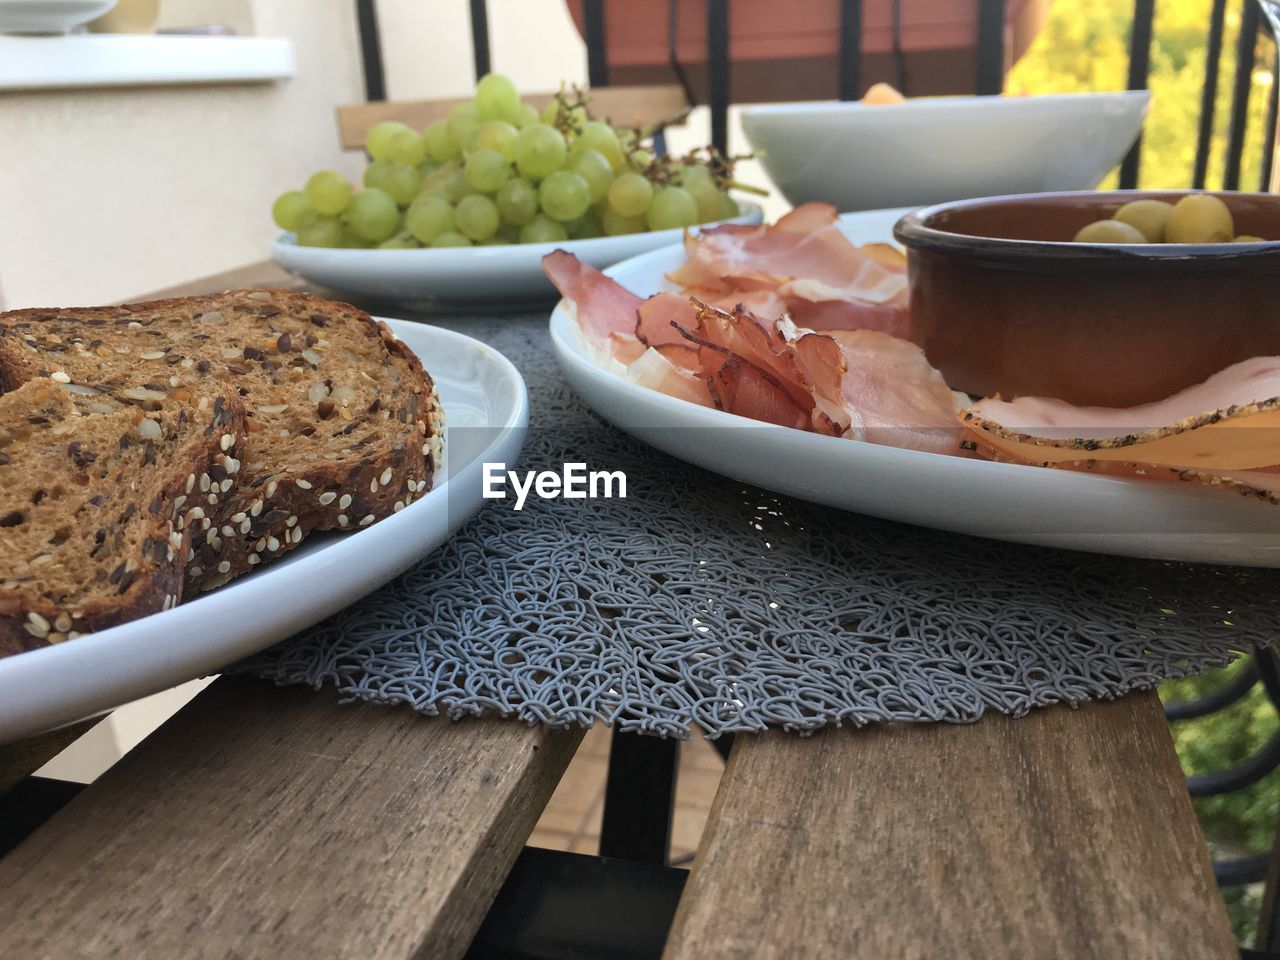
[[804, 243], [604, 309], [1229, 422], [860, 384], [655, 371], [883, 388], [743, 388], [658, 317], [741, 336], [825, 281], [844, 315]]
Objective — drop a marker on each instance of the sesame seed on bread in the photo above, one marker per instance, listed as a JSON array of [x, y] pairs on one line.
[[344, 425], [94, 529]]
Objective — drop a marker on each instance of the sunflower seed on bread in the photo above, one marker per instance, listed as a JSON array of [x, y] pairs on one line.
[[93, 530]]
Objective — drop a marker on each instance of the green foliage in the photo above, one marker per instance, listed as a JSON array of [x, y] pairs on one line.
[[1244, 821], [1085, 46]]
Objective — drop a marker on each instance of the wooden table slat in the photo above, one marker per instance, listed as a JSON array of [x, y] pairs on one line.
[[276, 822], [1063, 834]]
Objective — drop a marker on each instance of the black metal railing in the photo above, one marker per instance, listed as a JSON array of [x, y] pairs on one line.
[[375, 87], [848, 79], [1140, 35], [480, 37], [1261, 668], [1209, 94], [990, 77]]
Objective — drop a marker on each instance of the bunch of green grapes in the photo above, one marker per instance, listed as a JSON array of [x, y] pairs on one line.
[[496, 171]]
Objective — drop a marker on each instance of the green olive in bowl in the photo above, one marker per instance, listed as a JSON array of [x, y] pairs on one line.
[[1148, 217], [1200, 218], [1109, 231]]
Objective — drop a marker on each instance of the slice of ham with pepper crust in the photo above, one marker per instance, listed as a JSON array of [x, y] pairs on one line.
[[1230, 422]]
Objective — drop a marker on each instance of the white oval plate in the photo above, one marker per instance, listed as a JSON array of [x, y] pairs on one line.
[[466, 276], [486, 418], [1056, 508]]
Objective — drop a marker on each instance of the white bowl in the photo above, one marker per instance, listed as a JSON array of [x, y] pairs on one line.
[[951, 148], [49, 16]]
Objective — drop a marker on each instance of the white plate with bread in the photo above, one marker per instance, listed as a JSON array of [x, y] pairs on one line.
[[464, 276], [149, 454]]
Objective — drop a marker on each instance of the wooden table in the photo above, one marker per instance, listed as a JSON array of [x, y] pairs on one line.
[[263, 821]]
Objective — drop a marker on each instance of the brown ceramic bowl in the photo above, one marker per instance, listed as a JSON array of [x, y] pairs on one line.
[[1003, 302]]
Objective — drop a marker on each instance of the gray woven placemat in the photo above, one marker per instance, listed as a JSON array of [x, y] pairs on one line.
[[700, 602]]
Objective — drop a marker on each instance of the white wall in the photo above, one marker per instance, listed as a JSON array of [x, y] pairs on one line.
[[107, 194], [427, 46]]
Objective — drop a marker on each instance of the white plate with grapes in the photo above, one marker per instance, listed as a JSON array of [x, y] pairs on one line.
[[462, 213], [474, 275]]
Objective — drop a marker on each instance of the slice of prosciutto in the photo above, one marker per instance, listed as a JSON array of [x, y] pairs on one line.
[[1229, 422], [604, 309], [861, 384], [890, 318], [880, 388], [825, 281], [655, 371], [660, 315], [745, 389], [750, 368]]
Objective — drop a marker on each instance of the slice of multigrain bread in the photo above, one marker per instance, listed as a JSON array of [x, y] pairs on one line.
[[95, 526], [345, 427]]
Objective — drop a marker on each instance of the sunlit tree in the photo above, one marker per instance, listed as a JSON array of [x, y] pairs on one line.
[[1085, 46]]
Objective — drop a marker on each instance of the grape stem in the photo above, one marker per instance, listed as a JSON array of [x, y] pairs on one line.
[[573, 102], [663, 171], [569, 99]]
